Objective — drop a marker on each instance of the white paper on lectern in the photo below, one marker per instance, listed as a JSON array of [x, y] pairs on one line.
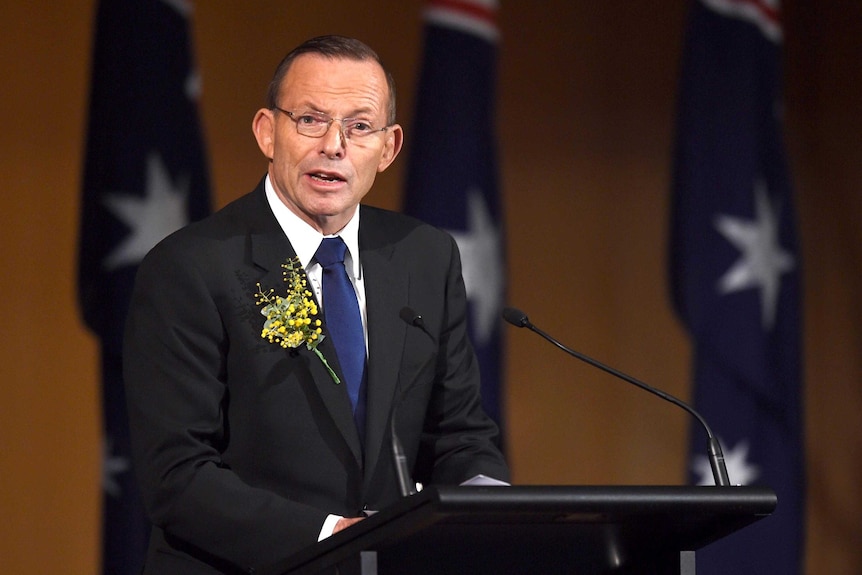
[[484, 480]]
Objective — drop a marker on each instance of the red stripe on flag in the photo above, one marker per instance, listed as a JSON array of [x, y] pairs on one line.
[[465, 7], [767, 11]]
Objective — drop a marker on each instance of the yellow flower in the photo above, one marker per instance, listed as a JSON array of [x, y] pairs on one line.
[[289, 318]]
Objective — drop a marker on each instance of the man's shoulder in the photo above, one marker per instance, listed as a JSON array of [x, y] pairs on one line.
[[246, 210], [380, 222], [230, 223]]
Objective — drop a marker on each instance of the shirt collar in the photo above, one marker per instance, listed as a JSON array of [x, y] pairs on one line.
[[305, 239]]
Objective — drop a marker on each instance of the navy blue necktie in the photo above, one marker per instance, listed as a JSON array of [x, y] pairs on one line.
[[344, 323]]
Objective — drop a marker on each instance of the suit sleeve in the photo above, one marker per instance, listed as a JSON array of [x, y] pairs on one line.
[[175, 375], [459, 439]]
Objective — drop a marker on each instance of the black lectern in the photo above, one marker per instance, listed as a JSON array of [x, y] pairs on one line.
[[548, 530]]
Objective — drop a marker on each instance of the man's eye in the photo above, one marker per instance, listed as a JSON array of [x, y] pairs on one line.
[[308, 120], [360, 126]]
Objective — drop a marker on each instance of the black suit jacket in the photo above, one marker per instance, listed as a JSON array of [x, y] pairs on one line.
[[242, 448]]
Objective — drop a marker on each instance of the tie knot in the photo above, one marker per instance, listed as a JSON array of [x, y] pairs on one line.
[[331, 251]]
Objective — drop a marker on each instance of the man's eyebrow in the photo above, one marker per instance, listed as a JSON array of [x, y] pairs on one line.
[[361, 111]]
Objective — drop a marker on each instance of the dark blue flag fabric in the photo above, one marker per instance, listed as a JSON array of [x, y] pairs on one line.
[[144, 176], [452, 177], [735, 267]]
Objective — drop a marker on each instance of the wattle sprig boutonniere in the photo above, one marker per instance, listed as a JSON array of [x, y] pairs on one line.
[[290, 320]]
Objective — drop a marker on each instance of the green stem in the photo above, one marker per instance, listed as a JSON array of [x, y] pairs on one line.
[[326, 363]]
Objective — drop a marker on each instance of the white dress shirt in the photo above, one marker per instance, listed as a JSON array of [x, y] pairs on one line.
[[305, 240]]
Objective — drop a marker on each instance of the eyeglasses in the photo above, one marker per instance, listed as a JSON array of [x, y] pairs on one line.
[[316, 125]]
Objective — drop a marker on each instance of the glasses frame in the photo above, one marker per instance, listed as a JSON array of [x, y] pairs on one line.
[[341, 128]]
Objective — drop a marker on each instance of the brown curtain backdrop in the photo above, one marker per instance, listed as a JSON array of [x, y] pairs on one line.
[[586, 107]]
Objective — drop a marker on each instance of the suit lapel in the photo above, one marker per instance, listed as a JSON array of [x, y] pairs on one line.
[[269, 249], [386, 290]]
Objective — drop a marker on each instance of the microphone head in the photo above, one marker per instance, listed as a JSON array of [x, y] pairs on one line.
[[515, 317]]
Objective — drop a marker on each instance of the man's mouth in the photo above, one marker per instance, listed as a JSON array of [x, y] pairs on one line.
[[325, 177]]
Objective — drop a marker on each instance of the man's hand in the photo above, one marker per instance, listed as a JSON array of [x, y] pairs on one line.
[[346, 522]]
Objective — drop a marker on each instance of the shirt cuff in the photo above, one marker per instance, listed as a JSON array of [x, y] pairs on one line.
[[328, 526]]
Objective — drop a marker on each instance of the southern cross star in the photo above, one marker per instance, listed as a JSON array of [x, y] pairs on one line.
[[112, 465], [482, 265], [762, 260], [739, 470], [161, 211]]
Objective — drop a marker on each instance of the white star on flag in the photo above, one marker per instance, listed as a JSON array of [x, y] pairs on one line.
[[151, 218], [482, 264], [112, 465], [193, 85], [739, 470], [762, 261]]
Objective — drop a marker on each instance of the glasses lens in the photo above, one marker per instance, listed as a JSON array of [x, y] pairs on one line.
[[309, 124], [357, 128]]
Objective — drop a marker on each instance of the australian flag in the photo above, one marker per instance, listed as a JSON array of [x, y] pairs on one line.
[[452, 177], [735, 267], [144, 176]]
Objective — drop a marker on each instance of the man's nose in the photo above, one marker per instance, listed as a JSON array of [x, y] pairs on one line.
[[333, 141]]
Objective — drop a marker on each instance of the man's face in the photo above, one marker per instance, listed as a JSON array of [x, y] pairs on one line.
[[322, 180]]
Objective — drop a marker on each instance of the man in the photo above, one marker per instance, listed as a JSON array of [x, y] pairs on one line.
[[247, 451]]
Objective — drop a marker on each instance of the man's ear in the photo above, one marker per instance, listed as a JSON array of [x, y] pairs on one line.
[[263, 126], [394, 141]]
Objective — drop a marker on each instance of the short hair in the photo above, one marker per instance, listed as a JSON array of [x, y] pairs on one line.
[[333, 47]]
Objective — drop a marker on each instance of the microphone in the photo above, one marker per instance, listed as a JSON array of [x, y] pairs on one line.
[[716, 458], [410, 317], [405, 485]]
